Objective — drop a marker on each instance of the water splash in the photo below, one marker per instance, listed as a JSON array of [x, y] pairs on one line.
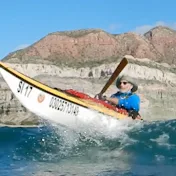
[[115, 148]]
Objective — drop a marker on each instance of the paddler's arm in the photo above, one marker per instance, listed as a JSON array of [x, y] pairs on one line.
[[112, 100], [115, 101]]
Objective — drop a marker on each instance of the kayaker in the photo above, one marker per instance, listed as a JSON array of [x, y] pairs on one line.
[[125, 97]]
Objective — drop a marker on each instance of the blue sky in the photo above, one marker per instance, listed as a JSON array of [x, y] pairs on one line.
[[25, 22]]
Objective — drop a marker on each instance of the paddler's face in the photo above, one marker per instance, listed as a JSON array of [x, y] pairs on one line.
[[125, 86]]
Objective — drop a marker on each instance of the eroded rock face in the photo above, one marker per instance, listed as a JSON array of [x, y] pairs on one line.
[[156, 88], [144, 69], [164, 41]]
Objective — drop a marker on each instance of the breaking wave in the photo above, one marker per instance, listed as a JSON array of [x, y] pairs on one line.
[[127, 147]]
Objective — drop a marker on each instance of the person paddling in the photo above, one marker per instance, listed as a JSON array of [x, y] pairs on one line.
[[125, 97]]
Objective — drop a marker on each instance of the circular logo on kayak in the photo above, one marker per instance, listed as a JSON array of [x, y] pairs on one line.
[[41, 98]]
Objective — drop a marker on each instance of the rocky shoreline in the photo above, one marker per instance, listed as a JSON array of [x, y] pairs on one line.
[[156, 87]]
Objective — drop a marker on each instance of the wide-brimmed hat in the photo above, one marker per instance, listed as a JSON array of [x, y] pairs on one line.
[[130, 80]]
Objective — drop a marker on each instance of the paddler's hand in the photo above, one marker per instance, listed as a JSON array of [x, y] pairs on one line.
[[104, 98], [100, 97], [134, 114]]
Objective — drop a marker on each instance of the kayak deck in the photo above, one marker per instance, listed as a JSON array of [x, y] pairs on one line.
[[86, 98]]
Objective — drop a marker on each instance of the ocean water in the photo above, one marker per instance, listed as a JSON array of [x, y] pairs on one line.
[[126, 149]]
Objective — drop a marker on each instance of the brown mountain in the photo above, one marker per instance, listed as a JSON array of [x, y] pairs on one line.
[[95, 45], [164, 41]]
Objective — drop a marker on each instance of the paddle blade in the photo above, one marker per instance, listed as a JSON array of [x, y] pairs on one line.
[[117, 71]]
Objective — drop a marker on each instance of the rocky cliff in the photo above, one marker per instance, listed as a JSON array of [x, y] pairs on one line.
[[88, 57], [157, 83]]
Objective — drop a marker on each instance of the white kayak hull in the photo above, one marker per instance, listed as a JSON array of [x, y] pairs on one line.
[[51, 104]]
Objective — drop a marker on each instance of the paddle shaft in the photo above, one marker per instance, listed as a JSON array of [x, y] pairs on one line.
[[117, 71]]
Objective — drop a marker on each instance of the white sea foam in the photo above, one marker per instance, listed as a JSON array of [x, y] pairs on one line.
[[94, 131], [162, 140]]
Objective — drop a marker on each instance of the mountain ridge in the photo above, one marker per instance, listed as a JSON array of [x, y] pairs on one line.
[[89, 45]]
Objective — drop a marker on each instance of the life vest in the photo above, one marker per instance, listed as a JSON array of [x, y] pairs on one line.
[[132, 113]]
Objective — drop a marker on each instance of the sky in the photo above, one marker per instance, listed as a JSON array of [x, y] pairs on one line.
[[23, 22]]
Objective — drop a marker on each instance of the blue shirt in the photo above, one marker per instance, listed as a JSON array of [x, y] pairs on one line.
[[128, 101]]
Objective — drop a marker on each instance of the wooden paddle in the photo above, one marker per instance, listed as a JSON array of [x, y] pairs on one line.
[[117, 71]]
